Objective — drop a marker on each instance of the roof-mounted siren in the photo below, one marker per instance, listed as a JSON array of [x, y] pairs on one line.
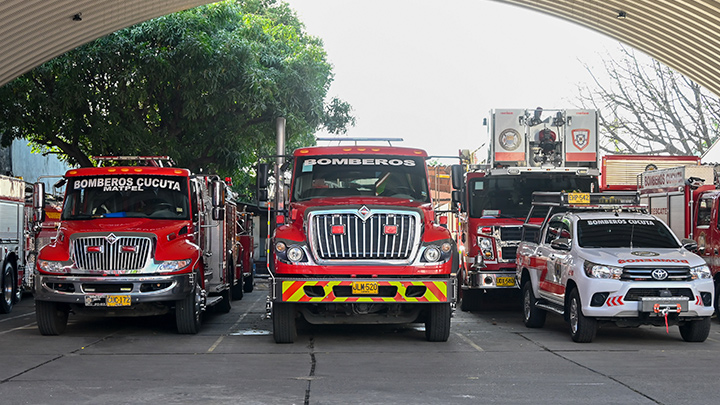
[[509, 146], [156, 161], [545, 137], [581, 138]]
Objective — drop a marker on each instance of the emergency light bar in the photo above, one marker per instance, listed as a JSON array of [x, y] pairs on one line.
[[356, 140], [156, 161], [586, 200]]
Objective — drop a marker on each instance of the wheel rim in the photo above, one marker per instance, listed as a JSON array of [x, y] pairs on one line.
[[573, 315], [526, 304], [7, 287]]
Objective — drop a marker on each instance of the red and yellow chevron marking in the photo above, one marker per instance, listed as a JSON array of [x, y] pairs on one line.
[[436, 291]]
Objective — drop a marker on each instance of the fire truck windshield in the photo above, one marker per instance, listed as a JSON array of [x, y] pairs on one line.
[[345, 176], [511, 196], [157, 197]]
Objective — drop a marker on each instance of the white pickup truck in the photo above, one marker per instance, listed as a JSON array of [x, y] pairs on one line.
[[598, 257]]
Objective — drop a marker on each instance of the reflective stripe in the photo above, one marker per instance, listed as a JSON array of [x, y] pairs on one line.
[[293, 291]]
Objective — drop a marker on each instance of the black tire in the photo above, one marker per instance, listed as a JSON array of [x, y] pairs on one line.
[[51, 318], [437, 322], [470, 300], [9, 288], [188, 314], [695, 331], [248, 283], [533, 317], [284, 322], [237, 289], [717, 299], [582, 328], [224, 306]]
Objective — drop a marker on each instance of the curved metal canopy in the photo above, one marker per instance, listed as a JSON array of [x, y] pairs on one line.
[[683, 34]]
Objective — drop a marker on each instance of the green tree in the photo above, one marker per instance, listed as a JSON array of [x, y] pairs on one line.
[[203, 86]]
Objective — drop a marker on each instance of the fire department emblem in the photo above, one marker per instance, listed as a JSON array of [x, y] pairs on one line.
[[111, 238], [659, 274], [364, 213], [510, 139], [581, 138]]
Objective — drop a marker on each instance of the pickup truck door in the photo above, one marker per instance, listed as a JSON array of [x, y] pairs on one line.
[[553, 263]]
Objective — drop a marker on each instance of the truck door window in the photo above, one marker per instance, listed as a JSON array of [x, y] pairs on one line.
[[704, 212], [554, 229]]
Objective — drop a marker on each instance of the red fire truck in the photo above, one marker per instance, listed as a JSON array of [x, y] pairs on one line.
[[530, 150], [688, 200], [620, 172], [16, 224], [141, 239], [359, 243], [245, 265]]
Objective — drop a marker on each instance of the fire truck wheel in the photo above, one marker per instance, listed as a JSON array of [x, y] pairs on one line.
[[237, 289], [533, 316], [695, 331], [582, 328], [188, 314], [470, 300], [51, 318], [248, 283], [224, 306], [437, 323], [284, 323], [8, 288]]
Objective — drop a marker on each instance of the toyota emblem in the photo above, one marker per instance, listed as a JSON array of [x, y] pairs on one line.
[[659, 274]]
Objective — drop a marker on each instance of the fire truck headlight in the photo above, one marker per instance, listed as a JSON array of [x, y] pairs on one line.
[[602, 271], [173, 265], [49, 266], [295, 254], [700, 272], [486, 248], [431, 254]]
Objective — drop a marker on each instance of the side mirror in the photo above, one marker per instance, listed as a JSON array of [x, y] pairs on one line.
[[39, 201], [458, 175], [561, 244], [458, 197], [263, 170], [262, 195], [689, 244], [217, 190]]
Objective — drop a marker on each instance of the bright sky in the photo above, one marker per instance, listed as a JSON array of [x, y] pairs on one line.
[[430, 71]]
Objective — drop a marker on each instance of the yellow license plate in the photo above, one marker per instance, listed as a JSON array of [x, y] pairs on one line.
[[365, 287], [505, 281], [117, 300], [578, 198]]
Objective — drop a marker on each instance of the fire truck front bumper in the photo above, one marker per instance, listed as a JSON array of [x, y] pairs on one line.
[[375, 290], [111, 291]]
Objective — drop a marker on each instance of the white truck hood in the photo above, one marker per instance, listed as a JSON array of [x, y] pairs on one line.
[[622, 257]]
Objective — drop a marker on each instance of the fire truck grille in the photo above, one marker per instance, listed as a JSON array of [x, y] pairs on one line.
[[125, 253], [634, 294], [508, 233], [645, 274], [383, 236]]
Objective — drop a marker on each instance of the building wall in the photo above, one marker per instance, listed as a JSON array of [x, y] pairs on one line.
[[31, 166]]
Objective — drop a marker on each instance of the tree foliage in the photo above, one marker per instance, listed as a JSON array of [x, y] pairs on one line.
[[204, 86], [650, 108]]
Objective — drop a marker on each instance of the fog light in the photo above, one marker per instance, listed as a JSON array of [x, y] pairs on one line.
[[598, 299]]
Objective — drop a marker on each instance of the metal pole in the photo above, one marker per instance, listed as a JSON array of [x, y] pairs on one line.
[[279, 161]]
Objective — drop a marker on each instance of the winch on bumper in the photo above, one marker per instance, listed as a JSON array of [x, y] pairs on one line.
[[607, 299], [111, 291]]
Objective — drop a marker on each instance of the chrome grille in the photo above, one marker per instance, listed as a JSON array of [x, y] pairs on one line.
[[645, 273], [364, 240], [125, 253]]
